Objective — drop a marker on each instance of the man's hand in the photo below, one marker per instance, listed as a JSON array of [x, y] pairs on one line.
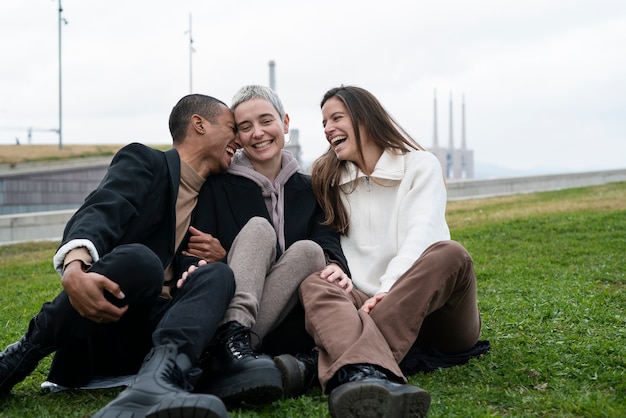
[[86, 294], [204, 246], [369, 304], [190, 270], [333, 273]]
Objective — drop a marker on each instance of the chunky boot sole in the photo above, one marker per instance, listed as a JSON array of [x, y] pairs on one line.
[[291, 374], [198, 407], [371, 399], [255, 386], [177, 408], [172, 406]]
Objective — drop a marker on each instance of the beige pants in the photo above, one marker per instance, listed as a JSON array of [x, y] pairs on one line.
[[267, 289], [434, 301]]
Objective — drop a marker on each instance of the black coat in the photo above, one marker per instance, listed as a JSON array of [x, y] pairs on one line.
[[226, 203], [134, 203]]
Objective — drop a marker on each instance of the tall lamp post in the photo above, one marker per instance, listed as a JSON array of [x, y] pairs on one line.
[[61, 20], [191, 51]]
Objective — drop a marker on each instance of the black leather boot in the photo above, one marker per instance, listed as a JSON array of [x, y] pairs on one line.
[[19, 359], [237, 373], [161, 389], [299, 372], [362, 390]]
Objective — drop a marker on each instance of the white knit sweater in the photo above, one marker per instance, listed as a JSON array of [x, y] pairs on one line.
[[395, 214]]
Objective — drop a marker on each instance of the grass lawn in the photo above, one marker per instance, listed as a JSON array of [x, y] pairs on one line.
[[552, 291]]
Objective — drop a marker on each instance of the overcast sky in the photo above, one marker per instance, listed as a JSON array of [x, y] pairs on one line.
[[544, 81]]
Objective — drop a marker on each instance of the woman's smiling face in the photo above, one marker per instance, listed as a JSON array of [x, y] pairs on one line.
[[339, 130], [260, 129]]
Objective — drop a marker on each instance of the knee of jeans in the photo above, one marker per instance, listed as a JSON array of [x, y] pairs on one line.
[[140, 257], [214, 276], [133, 266]]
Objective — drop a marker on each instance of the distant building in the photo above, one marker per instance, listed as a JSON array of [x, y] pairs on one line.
[[456, 163], [293, 145]]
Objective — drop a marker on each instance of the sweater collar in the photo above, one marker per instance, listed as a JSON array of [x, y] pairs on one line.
[[242, 166], [190, 177], [390, 166]]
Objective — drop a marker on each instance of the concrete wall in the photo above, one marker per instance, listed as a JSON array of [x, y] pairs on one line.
[[49, 225], [471, 189], [34, 226], [54, 186]]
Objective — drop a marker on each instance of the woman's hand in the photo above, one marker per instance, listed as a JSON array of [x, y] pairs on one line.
[[190, 270], [369, 304], [334, 274]]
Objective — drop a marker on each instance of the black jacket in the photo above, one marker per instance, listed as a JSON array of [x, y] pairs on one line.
[[134, 203], [226, 203]]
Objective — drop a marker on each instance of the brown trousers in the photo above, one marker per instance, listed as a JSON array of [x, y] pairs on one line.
[[433, 302]]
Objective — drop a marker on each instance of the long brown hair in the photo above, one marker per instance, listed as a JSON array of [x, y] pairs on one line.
[[366, 113]]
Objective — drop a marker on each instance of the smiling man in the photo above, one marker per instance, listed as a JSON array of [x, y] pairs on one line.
[[120, 303]]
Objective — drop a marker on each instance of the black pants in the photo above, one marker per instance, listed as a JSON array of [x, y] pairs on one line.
[[85, 349]]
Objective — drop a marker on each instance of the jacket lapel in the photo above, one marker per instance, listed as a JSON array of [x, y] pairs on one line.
[[173, 164]]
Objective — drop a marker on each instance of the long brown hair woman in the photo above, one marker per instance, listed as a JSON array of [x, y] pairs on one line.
[[413, 286]]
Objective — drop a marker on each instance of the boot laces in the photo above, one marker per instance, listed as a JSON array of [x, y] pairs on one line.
[[176, 376], [29, 353], [238, 342], [19, 347], [356, 372], [309, 360]]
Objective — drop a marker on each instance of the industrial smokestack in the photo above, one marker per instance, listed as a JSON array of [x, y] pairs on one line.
[[450, 158], [272, 75], [463, 143], [435, 139], [451, 131]]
